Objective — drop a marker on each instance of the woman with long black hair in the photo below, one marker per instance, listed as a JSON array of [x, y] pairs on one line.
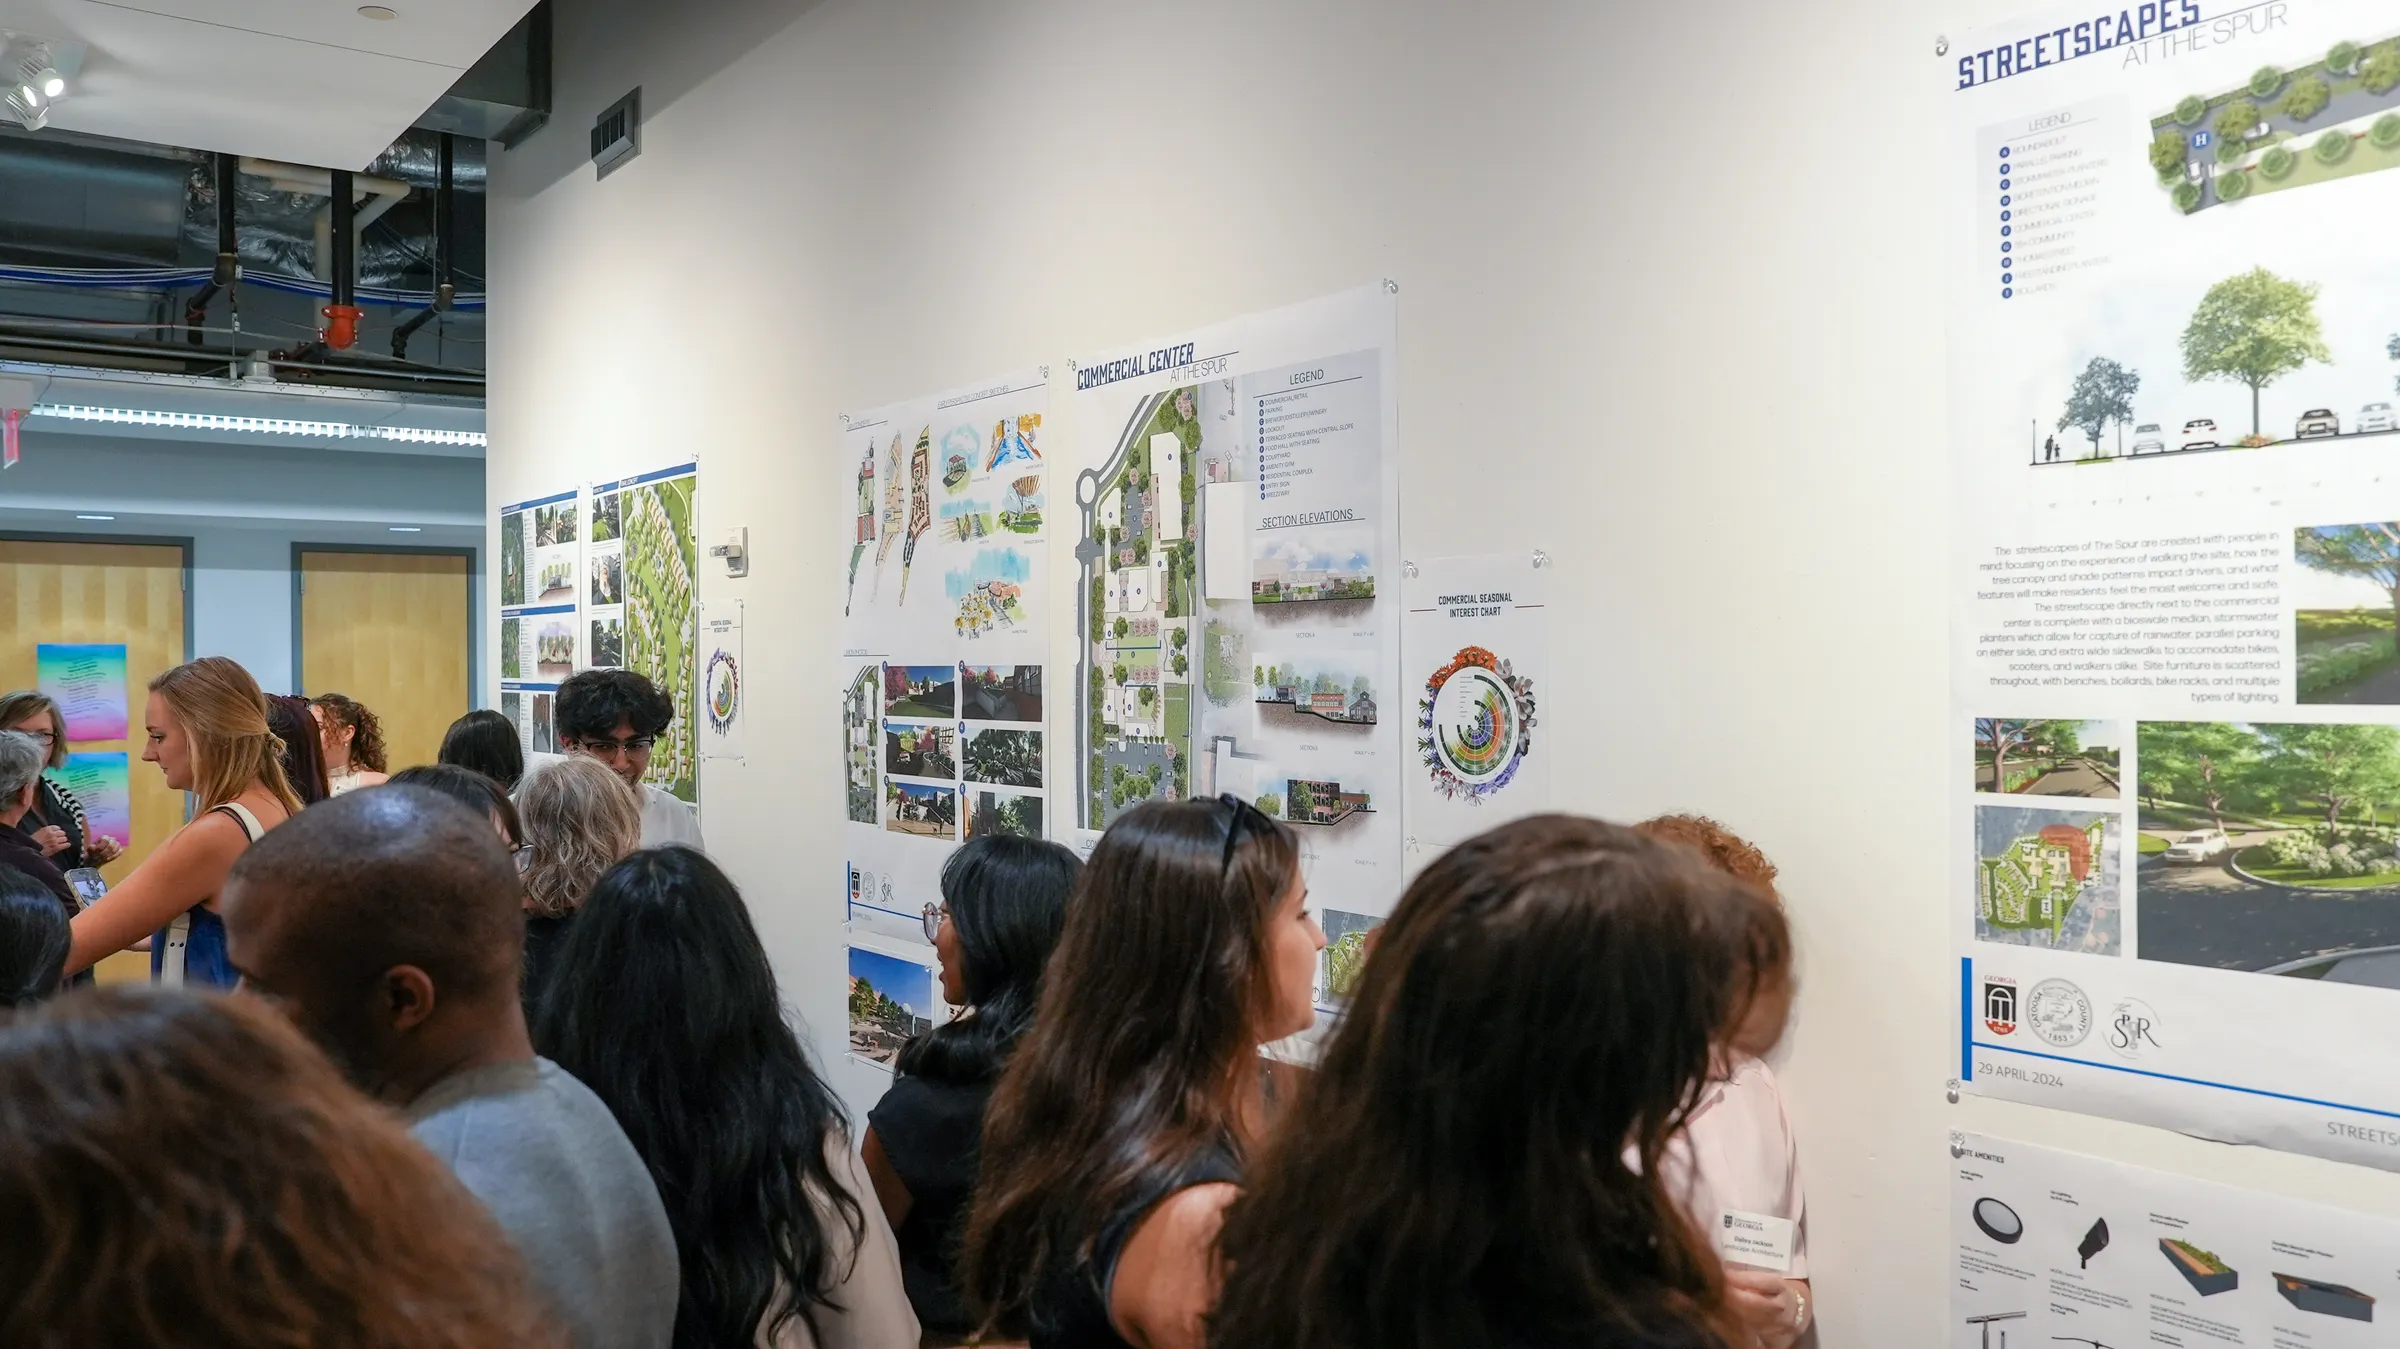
[[1003, 902], [1477, 1162], [663, 1003], [1116, 1135]]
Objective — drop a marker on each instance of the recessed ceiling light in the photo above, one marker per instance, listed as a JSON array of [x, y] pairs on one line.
[[408, 529], [379, 13], [95, 517]]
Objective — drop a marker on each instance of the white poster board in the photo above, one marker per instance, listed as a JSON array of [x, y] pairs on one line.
[[2176, 770], [2053, 1247], [944, 637], [1475, 651], [1237, 605]]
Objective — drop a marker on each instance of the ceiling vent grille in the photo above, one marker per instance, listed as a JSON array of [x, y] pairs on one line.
[[617, 133]]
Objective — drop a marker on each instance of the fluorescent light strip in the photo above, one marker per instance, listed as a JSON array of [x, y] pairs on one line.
[[265, 426]]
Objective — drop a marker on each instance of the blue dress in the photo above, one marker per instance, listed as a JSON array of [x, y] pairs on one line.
[[191, 950]]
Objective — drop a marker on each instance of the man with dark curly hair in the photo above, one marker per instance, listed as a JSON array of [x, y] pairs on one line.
[[615, 716]]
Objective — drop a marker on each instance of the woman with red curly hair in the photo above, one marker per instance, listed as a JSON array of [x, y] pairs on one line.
[[1737, 1155], [183, 1171]]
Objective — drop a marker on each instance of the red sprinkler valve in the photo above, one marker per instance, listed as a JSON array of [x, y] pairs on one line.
[[341, 325]]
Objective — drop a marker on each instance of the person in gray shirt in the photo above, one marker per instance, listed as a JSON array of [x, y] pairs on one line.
[[386, 924]]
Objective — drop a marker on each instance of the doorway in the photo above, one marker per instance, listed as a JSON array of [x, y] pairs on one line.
[[132, 592], [392, 629]]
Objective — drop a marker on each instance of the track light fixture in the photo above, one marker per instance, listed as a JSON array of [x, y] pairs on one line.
[[35, 74]]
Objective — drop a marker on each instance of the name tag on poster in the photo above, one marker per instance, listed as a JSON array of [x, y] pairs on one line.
[[1758, 1240]]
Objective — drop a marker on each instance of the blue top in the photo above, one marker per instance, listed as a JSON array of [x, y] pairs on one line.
[[204, 961]]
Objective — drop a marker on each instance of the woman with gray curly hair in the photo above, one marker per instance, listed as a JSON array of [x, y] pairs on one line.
[[579, 820]]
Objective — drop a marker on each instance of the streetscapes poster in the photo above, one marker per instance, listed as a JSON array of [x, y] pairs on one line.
[[1236, 594], [946, 600], [2175, 362]]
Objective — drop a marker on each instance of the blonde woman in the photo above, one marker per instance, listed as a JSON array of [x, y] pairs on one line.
[[579, 820], [56, 823], [208, 733]]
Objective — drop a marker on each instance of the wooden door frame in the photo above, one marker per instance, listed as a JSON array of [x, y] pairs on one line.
[[180, 542], [299, 650]]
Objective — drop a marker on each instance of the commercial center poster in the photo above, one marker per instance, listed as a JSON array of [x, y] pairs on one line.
[[1236, 599], [2175, 744], [2051, 1247], [946, 601], [640, 613], [540, 600]]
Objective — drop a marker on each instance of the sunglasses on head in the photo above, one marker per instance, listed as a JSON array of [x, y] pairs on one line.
[[1244, 814]]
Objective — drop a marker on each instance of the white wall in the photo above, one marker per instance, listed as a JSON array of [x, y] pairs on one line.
[[1671, 308], [243, 507]]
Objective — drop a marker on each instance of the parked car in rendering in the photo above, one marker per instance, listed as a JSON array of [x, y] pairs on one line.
[[2148, 439], [2319, 422], [2198, 846], [2373, 966], [2374, 417], [2200, 433]]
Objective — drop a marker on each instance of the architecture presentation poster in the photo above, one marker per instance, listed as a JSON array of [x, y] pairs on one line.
[[946, 603], [1236, 503], [541, 611], [2051, 1247], [640, 613], [2175, 362]]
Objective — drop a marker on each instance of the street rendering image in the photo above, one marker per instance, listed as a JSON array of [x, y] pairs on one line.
[[2271, 848]]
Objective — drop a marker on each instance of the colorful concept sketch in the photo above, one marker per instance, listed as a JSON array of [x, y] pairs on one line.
[[920, 504], [1475, 721], [966, 520], [1021, 508], [1015, 442], [990, 592], [961, 448], [895, 508], [864, 527], [1326, 688]]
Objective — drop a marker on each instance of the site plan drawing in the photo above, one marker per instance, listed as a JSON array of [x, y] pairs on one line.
[[2174, 396], [944, 638], [2066, 1248], [653, 628], [1237, 556]]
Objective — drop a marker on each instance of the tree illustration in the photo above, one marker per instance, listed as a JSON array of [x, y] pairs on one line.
[[1270, 804], [2253, 329], [2197, 762], [2335, 765], [2103, 393], [2235, 119], [2368, 552], [2003, 736], [1304, 800], [2167, 154]]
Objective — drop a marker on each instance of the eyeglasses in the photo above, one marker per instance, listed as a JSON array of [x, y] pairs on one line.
[[639, 744], [46, 737], [935, 916]]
